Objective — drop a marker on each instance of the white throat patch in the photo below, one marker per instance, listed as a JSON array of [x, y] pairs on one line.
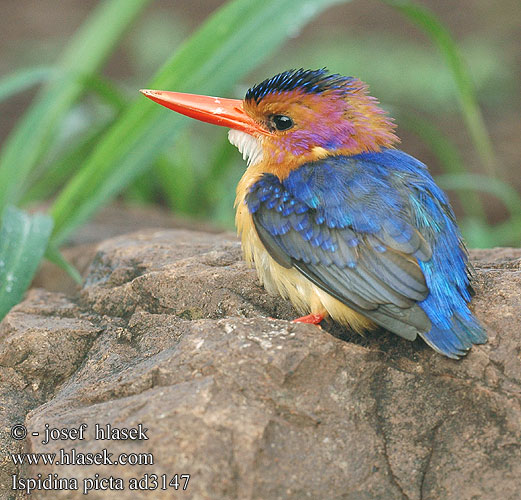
[[249, 146]]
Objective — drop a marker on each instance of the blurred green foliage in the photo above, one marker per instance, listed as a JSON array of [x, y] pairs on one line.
[[86, 139]]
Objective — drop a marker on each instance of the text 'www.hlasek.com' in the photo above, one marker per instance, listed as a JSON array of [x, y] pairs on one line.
[[94, 451]]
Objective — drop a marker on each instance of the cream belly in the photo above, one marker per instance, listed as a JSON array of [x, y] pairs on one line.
[[289, 283]]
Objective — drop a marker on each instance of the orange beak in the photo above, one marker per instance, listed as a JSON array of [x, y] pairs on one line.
[[216, 110]]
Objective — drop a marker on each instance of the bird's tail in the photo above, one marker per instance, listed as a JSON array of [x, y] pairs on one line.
[[458, 338]]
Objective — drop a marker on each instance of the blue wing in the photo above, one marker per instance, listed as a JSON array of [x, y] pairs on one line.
[[374, 231]]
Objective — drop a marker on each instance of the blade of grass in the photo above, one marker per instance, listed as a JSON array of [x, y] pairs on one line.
[[88, 50], [477, 232], [432, 26], [106, 90], [23, 240], [169, 179], [55, 256], [234, 40], [507, 233], [448, 156], [47, 178], [208, 194], [467, 181], [142, 189], [22, 80], [177, 176], [44, 184]]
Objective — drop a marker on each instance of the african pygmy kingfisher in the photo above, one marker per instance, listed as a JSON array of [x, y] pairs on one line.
[[337, 219]]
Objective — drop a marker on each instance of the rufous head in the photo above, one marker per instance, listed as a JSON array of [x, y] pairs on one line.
[[294, 117]]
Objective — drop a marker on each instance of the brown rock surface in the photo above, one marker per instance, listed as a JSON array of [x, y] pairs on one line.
[[172, 331]]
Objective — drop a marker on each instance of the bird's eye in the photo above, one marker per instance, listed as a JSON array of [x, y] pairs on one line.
[[281, 122]]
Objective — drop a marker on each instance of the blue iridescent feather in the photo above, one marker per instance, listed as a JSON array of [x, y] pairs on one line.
[[376, 232]]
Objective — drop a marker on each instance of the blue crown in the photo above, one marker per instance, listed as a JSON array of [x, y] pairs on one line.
[[307, 80]]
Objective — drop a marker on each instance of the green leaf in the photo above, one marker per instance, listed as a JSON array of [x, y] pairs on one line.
[[441, 36], [209, 191], [477, 232], [45, 182], [56, 257], [142, 190], [475, 182], [84, 55], [177, 175], [22, 80], [233, 41], [23, 240], [447, 154], [507, 233], [106, 90]]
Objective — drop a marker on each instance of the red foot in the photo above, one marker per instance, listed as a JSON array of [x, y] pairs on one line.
[[312, 319]]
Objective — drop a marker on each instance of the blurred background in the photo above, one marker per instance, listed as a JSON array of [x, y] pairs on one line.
[[76, 136]]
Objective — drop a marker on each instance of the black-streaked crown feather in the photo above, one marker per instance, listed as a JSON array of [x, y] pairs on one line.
[[307, 80]]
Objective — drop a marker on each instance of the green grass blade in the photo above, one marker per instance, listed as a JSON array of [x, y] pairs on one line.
[[142, 190], [177, 176], [22, 80], [56, 257], [233, 41], [106, 90], [431, 25], [448, 156], [506, 234], [87, 51], [46, 182], [467, 181], [49, 177], [208, 193], [23, 240], [477, 232]]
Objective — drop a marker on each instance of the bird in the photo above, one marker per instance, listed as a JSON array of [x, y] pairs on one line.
[[335, 217]]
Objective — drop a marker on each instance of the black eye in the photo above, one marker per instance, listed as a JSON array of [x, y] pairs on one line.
[[281, 122]]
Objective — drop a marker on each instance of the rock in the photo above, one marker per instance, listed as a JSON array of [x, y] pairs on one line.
[[113, 220], [172, 331]]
